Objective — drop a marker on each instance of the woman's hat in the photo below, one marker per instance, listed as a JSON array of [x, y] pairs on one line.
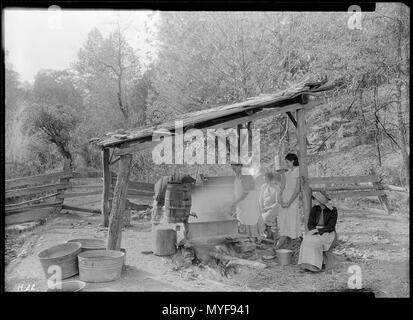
[[322, 199]]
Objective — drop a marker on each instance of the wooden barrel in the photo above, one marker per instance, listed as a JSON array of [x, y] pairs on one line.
[[164, 241], [177, 202]]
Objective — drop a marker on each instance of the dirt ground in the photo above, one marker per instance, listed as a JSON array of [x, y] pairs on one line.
[[368, 237]]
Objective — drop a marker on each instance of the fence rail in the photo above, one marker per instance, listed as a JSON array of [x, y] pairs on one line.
[[49, 191]]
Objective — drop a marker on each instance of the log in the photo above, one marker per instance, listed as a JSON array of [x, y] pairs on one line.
[[36, 190], [32, 200], [118, 204], [29, 208], [80, 209], [233, 260], [106, 187], [24, 181]]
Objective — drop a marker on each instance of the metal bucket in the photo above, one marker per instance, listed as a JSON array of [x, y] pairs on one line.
[[177, 202], [69, 286], [100, 265], [284, 256], [90, 244], [64, 256], [278, 163]]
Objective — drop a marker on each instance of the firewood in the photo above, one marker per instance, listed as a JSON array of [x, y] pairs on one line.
[[237, 261]]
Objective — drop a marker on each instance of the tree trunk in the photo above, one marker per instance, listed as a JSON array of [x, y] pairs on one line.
[[106, 187], [376, 123], [118, 204], [303, 167], [401, 125]]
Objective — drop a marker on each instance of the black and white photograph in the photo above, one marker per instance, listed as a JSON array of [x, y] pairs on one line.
[[173, 150]]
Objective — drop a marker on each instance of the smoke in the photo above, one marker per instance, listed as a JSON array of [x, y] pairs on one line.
[[212, 203]]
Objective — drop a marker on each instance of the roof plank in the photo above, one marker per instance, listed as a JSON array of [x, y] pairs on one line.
[[212, 116]]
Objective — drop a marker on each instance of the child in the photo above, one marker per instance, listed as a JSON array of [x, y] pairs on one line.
[[269, 195]]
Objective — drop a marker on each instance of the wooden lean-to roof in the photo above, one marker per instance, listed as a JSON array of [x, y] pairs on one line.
[[295, 97]]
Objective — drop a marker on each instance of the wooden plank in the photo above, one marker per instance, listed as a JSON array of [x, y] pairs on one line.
[[36, 189], [342, 179], [203, 120], [137, 207], [139, 194], [27, 216], [342, 188], [356, 194], [89, 174], [141, 185], [32, 200], [136, 148], [88, 186], [81, 194], [33, 206], [18, 182], [66, 207], [303, 167], [394, 188]]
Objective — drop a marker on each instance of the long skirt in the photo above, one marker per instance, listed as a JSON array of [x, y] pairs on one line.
[[289, 221], [312, 247]]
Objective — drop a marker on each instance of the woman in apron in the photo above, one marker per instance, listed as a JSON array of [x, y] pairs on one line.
[[246, 204], [289, 216]]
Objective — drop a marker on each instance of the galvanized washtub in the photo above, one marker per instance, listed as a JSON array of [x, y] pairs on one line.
[[68, 286], [61, 258], [100, 265], [90, 244]]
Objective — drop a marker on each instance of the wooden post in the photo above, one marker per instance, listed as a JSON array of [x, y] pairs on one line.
[[61, 196], [118, 204], [106, 187], [305, 189]]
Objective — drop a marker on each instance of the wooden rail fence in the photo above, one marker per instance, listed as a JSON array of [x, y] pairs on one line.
[[43, 191]]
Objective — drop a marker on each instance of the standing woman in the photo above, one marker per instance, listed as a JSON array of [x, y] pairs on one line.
[[246, 204], [289, 216], [269, 195]]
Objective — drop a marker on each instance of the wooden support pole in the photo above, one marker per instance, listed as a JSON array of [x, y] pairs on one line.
[[383, 198], [305, 188], [61, 196], [118, 204], [106, 187]]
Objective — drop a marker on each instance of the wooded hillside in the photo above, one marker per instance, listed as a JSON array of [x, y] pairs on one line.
[[205, 59]]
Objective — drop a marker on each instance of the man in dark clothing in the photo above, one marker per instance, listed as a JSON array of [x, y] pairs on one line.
[[159, 196]]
